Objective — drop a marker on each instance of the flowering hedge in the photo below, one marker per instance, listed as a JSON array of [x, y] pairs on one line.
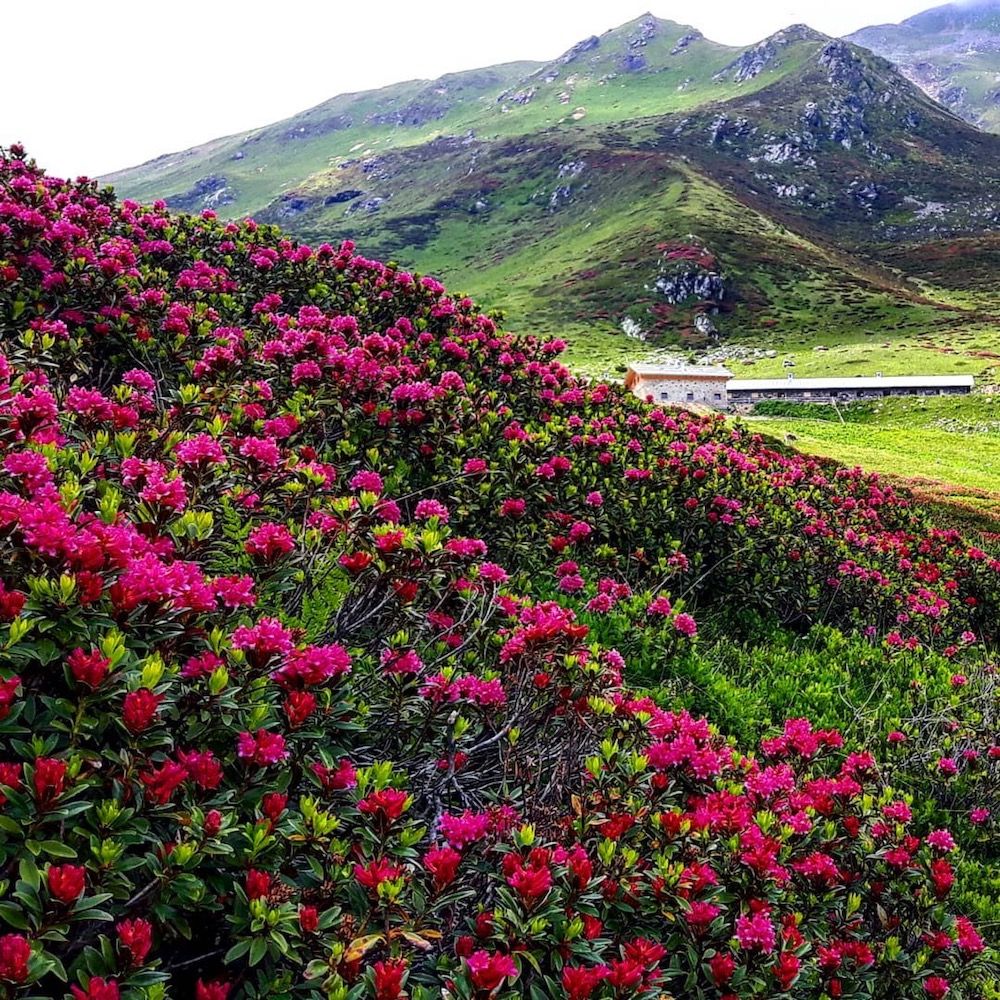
[[298, 694]]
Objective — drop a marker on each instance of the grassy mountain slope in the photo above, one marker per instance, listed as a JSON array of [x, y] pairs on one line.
[[647, 180], [952, 52], [581, 262], [239, 174], [628, 71]]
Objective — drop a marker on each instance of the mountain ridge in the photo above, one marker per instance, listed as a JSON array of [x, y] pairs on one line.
[[584, 194], [519, 73], [952, 52]]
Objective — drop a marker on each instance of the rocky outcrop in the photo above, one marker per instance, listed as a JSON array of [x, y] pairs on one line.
[[522, 96], [866, 193], [752, 62], [560, 196], [724, 130], [681, 285], [288, 206], [369, 205], [704, 325], [413, 115], [684, 41], [571, 169], [845, 121], [587, 45], [342, 196], [312, 129], [208, 192], [844, 68], [645, 30]]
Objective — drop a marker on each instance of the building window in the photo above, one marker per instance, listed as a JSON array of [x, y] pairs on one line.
[[664, 396], [717, 395], [690, 397]]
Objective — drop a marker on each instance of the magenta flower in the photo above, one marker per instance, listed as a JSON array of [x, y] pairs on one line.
[[262, 748], [686, 625], [368, 482]]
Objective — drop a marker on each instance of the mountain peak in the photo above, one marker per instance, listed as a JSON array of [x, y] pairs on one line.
[[800, 33], [966, 14], [651, 23], [646, 43], [952, 52], [767, 53]]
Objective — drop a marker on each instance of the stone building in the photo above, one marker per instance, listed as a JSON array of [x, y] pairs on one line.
[[679, 384]]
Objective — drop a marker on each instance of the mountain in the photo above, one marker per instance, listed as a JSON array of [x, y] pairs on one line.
[[645, 66], [648, 183], [951, 52]]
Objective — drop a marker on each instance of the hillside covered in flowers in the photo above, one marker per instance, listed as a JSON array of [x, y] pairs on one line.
[[328, 613]]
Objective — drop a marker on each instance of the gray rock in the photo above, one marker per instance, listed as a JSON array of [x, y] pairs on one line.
[[684, 41], [517, 96], [704, 325], [844, 67], [560, 196], [369, 205], [210, 191], [572, 169], [679, 287], [311, 129], [587, 45], [413, 115], [342, 196], [647, 30]]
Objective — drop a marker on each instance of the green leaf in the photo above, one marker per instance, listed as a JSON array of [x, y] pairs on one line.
[[57, 849], [56, 967], [258, 950], [14, 915], [28, 871], [532, 961], [238, 950]]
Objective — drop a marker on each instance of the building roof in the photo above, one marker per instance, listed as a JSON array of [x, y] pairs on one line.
[[854, 382], [678, 371]]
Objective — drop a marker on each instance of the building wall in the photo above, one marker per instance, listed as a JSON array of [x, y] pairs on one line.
[[796, 394], [710, 391]]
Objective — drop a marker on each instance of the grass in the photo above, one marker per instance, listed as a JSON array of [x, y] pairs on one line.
[[953, 350], [947, 450]]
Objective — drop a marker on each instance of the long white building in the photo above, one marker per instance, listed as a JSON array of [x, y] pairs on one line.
[[717, 388], [747, 391]]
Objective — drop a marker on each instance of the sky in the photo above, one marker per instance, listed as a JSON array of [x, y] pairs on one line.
[[95, 86]]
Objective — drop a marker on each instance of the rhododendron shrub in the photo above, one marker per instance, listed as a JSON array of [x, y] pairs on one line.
[[303, 565], [948, 750]]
